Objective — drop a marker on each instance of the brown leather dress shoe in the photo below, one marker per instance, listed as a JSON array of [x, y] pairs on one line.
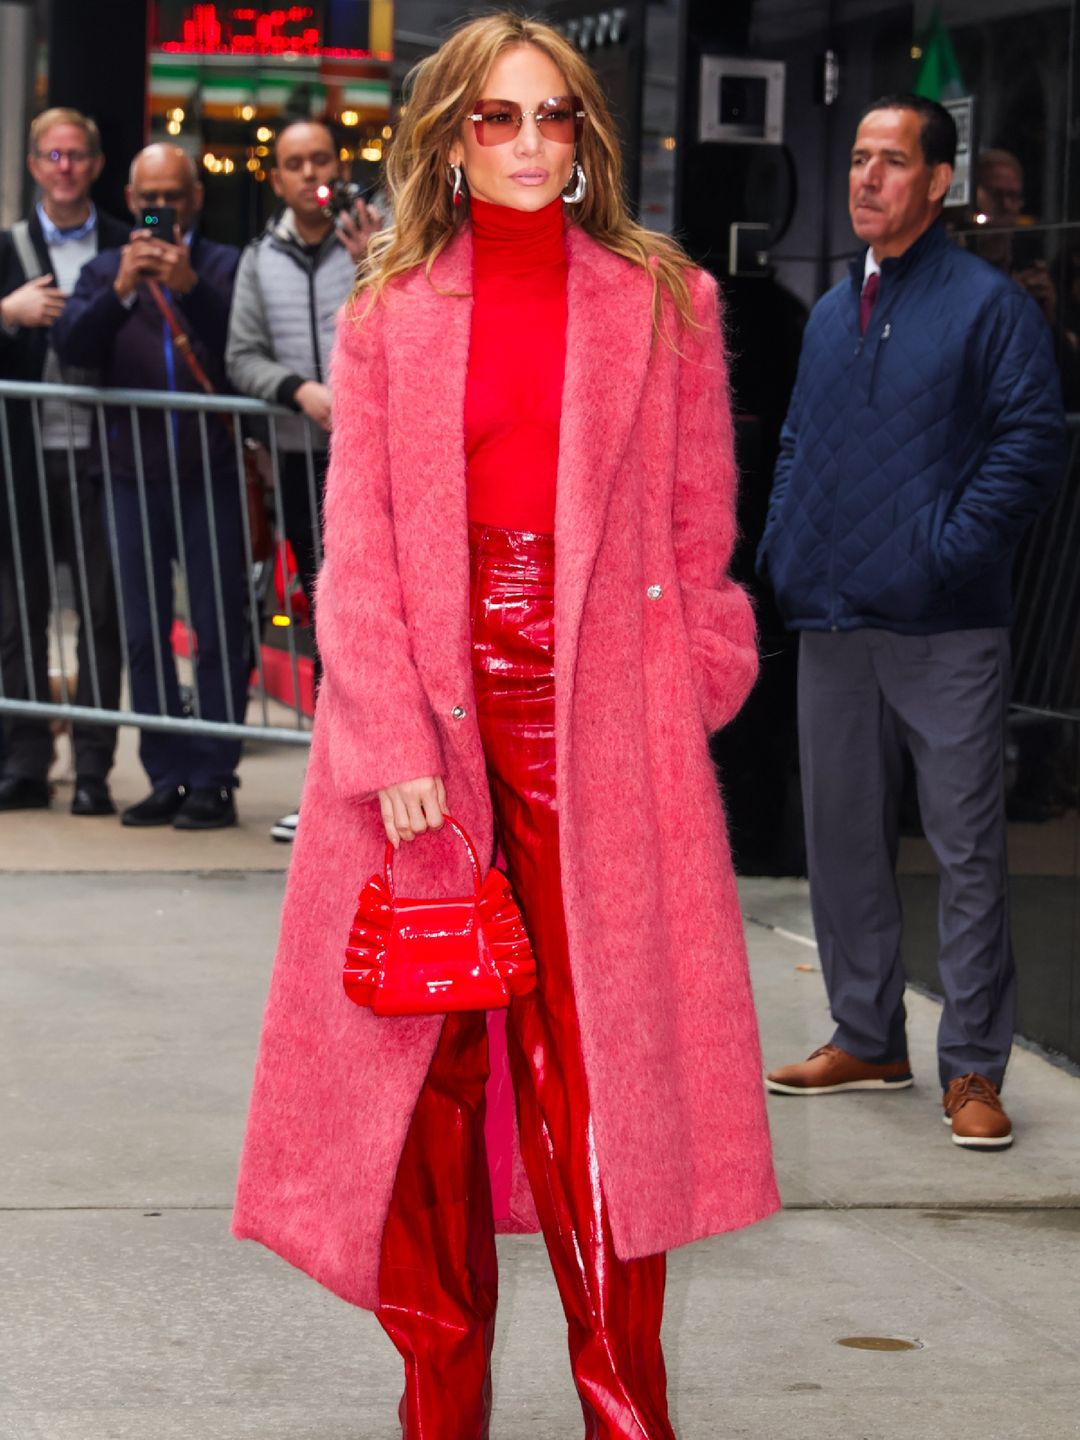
[[831, 1069], [974, 1110]]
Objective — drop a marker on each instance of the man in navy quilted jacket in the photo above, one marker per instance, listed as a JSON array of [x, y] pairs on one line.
[[924, 434]]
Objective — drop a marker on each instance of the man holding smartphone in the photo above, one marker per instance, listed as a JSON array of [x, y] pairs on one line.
[[292, 282], [137, 313]]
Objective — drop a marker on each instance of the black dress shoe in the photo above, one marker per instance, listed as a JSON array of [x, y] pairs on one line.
[[206, 808], [92, 797], [17, 792], [158, 808]]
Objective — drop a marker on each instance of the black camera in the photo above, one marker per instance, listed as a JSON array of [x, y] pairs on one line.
[[339, 197]]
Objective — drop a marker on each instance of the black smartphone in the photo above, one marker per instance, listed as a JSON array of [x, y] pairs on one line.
[[159, 220]]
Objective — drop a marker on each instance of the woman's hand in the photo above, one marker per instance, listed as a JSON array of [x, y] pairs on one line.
[[410, 809]]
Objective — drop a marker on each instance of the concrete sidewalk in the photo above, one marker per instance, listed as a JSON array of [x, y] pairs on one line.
[[129, 1007]]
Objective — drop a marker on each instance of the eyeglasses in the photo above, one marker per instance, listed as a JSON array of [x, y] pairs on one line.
[[73, 157], [560, 118]]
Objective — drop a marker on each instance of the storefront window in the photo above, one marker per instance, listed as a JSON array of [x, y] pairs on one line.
[[223, 78], [1010, 76]]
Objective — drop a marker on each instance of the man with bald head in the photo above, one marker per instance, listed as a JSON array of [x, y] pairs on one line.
[[163, 498], [291, 284]]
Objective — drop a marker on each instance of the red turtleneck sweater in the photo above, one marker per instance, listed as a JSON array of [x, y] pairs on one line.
[[517, 354]]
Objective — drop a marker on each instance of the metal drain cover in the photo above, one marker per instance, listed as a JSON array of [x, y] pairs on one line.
[[879, 1342]]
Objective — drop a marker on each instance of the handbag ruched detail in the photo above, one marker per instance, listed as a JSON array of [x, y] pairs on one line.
[[409, 956]]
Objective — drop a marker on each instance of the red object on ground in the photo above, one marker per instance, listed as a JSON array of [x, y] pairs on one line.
[[278, 672], [291, 599], [277, 665]]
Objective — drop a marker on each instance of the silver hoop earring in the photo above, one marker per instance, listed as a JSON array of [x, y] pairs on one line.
[[576, 186], [457, 180]]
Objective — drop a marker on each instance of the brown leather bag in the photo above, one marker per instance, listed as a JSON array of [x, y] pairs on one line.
[[258, 467], [258, 482]]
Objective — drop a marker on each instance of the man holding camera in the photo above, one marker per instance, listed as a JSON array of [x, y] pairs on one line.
[[141, 314], [291, 283], [40, 261]]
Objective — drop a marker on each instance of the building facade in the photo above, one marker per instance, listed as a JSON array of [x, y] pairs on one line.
[[737, 120]]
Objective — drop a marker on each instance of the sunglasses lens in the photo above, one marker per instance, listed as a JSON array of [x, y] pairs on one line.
[[557, 121], [500, 122]]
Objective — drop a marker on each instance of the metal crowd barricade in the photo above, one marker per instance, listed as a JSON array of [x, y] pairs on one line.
[[25, 498], [1046, 637]]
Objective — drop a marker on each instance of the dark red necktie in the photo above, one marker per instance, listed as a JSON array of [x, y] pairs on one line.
[[867, 299]]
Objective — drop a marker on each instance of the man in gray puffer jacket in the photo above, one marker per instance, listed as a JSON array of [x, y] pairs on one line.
[[290, 285]]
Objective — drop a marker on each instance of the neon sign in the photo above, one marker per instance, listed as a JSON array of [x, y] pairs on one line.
[[209, 29]]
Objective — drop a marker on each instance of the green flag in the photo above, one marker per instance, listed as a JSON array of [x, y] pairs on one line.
[[939, 75]]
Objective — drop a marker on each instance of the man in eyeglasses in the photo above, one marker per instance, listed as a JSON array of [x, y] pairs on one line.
[[40, 260], [1007, 238], [139, 313]]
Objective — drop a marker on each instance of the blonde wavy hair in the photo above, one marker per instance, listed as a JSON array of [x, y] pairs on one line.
[[439, 93], [63, 115]]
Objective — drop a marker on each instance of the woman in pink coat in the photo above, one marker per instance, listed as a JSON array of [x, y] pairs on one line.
[[523, 615]]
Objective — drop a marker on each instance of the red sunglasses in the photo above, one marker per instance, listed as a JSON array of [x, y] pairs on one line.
[[560, 118]]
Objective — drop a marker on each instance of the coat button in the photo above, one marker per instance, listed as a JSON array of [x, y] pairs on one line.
[[654, 592], [458, 712]]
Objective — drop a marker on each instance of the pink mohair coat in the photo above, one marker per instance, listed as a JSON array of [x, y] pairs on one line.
[[655, 648]]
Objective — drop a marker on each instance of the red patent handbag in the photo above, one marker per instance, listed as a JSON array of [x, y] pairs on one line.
[[428, 957]]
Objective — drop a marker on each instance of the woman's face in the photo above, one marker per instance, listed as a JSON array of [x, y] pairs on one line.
[[528, 171]]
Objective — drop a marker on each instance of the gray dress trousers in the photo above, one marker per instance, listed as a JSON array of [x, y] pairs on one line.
[[864, 695]]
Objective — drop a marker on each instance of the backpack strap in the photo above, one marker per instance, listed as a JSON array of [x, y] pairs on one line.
[[24, 248]]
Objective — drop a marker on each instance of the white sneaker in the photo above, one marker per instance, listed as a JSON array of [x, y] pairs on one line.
[[285, 829]]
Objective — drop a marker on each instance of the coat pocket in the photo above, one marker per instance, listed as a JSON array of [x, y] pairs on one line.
[[905, 584]]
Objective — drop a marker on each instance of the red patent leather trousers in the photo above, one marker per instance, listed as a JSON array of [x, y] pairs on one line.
[[438, 1278]]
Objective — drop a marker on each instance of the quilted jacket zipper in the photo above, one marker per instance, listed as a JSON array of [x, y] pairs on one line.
[[840, 470], [858, 359]]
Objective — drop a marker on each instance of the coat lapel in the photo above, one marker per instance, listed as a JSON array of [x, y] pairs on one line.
[[428, 325], [608, 345]]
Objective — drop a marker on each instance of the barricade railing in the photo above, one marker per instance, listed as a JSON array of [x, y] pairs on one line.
[[141, 522], [189, 499]]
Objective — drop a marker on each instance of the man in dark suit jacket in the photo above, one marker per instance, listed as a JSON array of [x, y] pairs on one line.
[[40, 260], [174, 483]]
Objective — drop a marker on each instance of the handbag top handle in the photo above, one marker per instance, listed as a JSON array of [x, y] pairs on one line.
[[388, 862]]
